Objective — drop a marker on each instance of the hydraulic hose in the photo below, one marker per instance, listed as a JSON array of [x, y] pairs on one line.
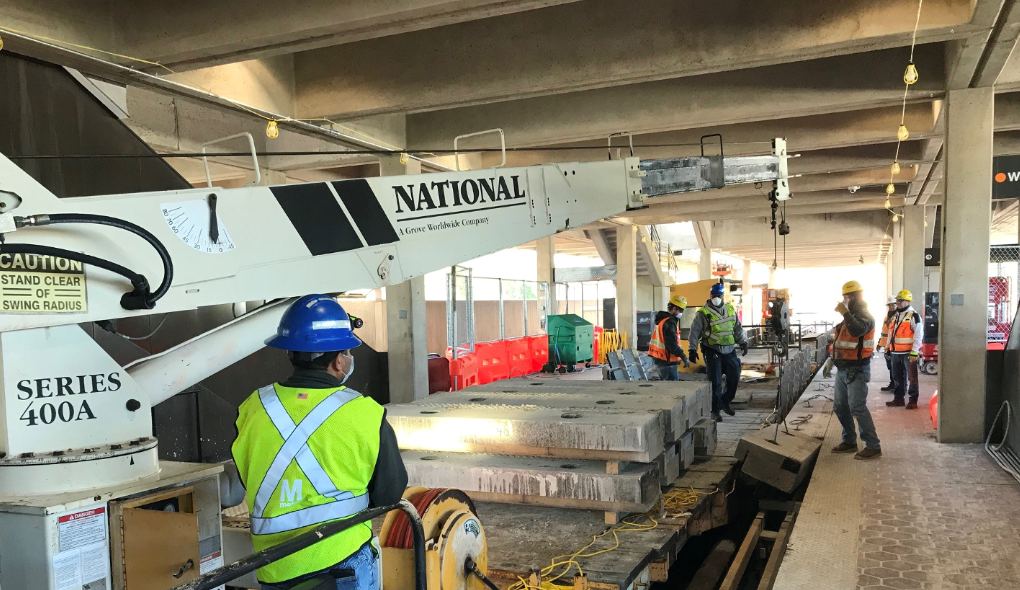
[[139, 298]]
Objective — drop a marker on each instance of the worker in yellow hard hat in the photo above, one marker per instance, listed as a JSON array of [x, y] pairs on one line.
[[883, 340], [852, 346], [905, 334], [664, 347]]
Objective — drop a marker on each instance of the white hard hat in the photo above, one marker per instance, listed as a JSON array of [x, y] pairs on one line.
[[891, 301]]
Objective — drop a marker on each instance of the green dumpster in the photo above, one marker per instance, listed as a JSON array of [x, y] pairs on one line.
[[571, 341]]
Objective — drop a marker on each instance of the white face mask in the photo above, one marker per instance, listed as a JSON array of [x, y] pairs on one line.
[[717, 301], [350, 370]]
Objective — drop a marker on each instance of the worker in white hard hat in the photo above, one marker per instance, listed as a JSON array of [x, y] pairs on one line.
[[664, 347], [883, 340], [852, 346], [905, 335]]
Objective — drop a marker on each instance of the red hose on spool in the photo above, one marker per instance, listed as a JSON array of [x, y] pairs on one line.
[[400, 535]]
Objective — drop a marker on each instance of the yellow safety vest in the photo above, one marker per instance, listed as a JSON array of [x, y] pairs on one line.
[[721, 327], [306, 457]]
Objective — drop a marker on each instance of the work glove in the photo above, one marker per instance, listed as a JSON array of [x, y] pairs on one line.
[[842, 308], [888, 354], [693, 355], [913, 356], [687, 363], [827, 369], [743, 348]]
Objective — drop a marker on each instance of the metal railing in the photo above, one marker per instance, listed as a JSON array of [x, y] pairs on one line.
[[320, 533], [667, 259]]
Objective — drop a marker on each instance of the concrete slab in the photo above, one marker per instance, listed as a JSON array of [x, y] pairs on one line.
[[669, 469], [783, 464], [685, 450], [672, 406], [529, 431], [706, 437], [537, 481]]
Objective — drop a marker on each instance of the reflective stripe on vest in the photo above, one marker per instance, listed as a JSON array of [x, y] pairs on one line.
[[657, 346], [721, 328], [884, 338], [850, 348], [902, 333], [295, 448]]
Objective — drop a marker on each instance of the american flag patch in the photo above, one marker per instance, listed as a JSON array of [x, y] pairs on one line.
[[302, 396]]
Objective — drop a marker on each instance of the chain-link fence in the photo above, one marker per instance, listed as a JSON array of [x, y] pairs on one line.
[[1003, 278]]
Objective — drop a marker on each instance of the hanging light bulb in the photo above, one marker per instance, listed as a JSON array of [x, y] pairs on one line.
[[890, 188], [895, 168], [910, 75], [895, 217], [272, 130], [902, 134], [404, 159], [1, 43], [888, 203]]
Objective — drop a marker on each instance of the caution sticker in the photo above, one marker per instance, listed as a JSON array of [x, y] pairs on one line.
[[30, 283]]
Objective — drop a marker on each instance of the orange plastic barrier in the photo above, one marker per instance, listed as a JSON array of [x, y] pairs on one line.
[[519, 354], [933, 410], [464, 368], [493, 361], [595, 346], [539, 346]]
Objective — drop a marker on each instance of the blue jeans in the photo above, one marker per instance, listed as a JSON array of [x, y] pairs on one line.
[[888, 365], [851, 402], [360, 571], [668, 373], [719, 365], [904, 377]]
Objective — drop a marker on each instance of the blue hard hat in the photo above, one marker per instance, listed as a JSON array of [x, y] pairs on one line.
[[314, 323], [717, 289]]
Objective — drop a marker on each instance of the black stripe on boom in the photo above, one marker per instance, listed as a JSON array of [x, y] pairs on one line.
[[317, 217], [366, 211]]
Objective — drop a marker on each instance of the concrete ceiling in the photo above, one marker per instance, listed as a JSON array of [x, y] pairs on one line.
[[412, 75]]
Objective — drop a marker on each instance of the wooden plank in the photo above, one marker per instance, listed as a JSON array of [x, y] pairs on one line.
[[743, 557], [768, 577]]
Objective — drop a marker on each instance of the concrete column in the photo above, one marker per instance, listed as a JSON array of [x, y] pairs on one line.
[[626, 281], [546, 248], [745, 288], [913, 253], [271, 177], [705, 267], [897, 258], [963, 303], [406, 340], [660, 297]]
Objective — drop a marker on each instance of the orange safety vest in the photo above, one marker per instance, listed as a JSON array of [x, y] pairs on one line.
[[851, 348], [657, 346], [902, 334], [885, 332]]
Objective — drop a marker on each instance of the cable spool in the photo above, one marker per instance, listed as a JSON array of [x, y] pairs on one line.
[[453, 533]]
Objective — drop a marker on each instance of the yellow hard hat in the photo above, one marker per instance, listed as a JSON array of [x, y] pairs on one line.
[[679, 301], [904, 295], [852, 287]]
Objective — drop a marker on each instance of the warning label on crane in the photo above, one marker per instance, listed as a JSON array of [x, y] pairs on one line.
[[31, 283]]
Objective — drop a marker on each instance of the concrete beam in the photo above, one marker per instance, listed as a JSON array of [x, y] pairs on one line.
[[699, 101], [606, 252], [807, 209], [808, 230], [578, 47], [219, 32], [759, 204]]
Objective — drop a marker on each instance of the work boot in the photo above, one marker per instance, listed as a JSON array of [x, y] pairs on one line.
[[729, 411], [912, 406], [716, 417], [865, 454], [844, 448], [889, 387], [896, 403]]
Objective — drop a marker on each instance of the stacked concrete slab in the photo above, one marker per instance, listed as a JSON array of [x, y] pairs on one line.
[[601, 445]]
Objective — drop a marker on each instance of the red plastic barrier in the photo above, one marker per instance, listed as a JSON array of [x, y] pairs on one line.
[[539, 346], [933, 410], [519, 354], [464, 368], [595, 345], [493, 361]]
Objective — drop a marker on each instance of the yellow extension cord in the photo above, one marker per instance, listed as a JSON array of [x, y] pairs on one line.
[[675, 503]]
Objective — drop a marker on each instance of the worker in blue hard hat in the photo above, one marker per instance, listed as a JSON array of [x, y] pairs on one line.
[[310, 450], [717, 329]]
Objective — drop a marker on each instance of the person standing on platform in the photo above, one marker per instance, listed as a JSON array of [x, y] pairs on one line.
[[905, 335], [664, 346], [852, 347], [719, 332]]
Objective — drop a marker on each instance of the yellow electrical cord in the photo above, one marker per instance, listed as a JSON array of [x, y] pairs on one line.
[[675, 503], [194, 85]]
